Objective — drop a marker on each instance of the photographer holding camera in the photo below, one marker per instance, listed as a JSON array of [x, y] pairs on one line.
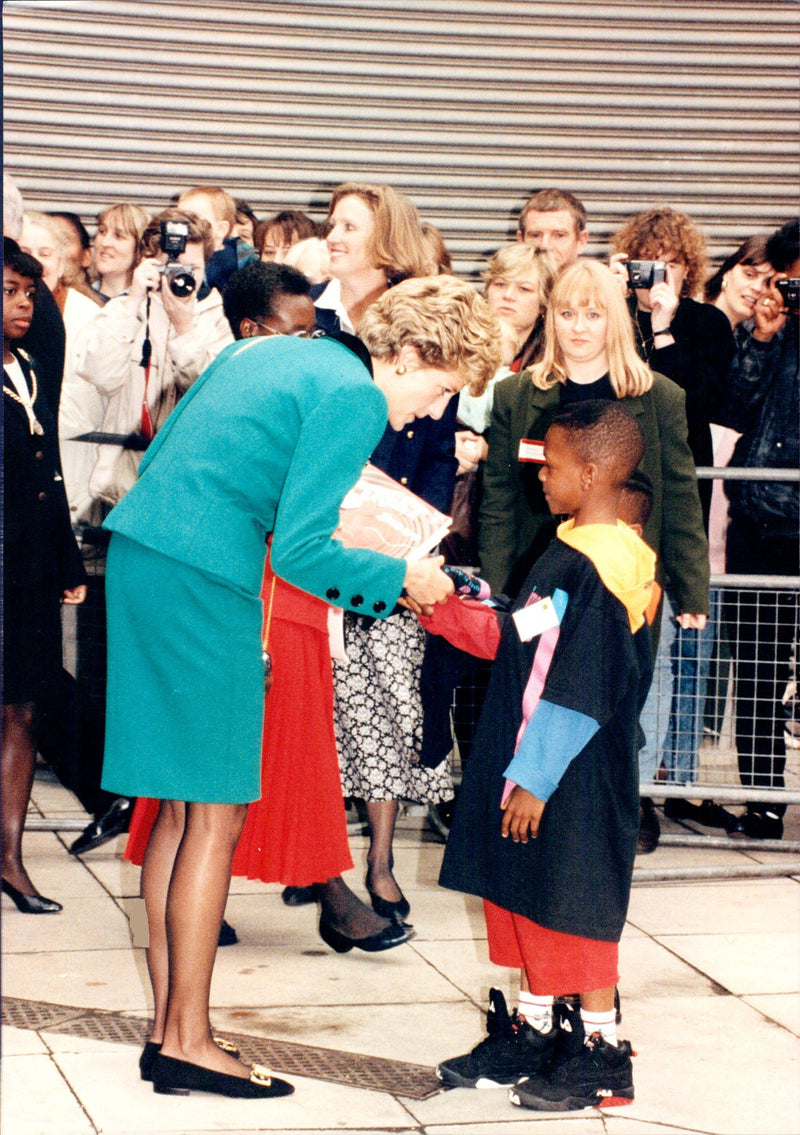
[[660, 257], [146, 348]]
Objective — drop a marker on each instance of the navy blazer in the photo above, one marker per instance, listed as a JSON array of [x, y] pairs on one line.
[[38, 543]]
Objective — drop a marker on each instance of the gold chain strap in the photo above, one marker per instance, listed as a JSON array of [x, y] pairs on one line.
[[265, 642]]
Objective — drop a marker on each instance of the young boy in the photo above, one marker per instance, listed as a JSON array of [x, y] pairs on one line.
[[547, 819]]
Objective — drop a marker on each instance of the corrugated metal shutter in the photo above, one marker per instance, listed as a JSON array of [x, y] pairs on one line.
[[466, 105]]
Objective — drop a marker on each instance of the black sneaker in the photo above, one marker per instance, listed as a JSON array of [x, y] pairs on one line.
[[512, 1049], [599, 1076]]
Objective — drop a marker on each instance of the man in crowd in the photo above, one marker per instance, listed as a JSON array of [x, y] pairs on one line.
[[556, 220]]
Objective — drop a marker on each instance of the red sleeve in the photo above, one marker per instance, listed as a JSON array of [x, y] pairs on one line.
[[467, 624]]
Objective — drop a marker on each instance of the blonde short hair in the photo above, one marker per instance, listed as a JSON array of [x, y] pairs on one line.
[[398, 244], [444, 320], [222, 203], [519, 261], [584, 283]]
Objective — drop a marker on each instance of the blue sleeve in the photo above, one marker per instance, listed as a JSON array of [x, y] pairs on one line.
[[553, 737]]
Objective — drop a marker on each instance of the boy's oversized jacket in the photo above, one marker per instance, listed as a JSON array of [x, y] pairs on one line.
[[575, 876]]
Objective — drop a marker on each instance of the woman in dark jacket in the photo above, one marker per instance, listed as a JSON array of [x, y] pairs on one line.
[[515, 521], [42, 568]]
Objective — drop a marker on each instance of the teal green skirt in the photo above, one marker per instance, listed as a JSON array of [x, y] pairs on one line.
[[185, 693]]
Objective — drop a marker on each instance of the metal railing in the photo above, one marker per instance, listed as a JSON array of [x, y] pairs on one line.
[[704, 734]]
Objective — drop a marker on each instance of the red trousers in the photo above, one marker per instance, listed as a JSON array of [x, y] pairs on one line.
[[555, 963]]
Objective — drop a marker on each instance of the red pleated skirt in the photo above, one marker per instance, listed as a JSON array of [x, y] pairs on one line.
[[296, 834]]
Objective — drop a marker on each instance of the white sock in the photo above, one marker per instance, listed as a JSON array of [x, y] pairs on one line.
[[603, 1023], [537, 1011]]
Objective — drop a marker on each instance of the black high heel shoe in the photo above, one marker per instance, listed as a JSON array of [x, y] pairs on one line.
[[173, 1077], [394, 911], [151, 1050], [392, 935], [31, 904]]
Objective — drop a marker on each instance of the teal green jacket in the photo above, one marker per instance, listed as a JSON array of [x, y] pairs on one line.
[[509, 522], [270, 438]]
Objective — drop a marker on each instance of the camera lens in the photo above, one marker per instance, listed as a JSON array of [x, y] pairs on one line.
[[181, 282]]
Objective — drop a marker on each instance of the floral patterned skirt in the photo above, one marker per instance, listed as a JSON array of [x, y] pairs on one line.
[[378, 713]]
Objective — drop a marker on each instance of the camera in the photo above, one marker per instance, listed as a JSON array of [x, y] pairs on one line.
[[174, 235], [790, 294], [645, 273]]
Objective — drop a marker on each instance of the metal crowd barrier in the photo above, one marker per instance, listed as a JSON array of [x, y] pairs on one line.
[[702, 724]]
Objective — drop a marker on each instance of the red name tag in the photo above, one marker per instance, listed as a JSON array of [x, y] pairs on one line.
[[531, 451]]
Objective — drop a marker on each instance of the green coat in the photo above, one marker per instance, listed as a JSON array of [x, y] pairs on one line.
[[509, 523], [269, 439]]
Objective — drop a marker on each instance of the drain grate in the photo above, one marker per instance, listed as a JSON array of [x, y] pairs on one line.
[[371, 1073]]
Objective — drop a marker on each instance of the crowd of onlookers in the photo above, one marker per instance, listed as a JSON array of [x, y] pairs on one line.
[[127, 318]]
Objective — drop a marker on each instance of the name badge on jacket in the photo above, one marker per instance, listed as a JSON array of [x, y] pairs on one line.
[[530, 450], [536, 618]]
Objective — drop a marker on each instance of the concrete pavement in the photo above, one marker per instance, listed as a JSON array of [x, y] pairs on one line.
[[710, 984]]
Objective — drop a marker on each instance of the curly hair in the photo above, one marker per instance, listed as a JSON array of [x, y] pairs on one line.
[[659, 232], [588, 283], [398, 243], [20, 262], [444, 319], [252, 291]]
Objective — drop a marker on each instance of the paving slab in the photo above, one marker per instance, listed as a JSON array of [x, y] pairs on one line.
[[108, 1086], [744, 963], [38, 1099]]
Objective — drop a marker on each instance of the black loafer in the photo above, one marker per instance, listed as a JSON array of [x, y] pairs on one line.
[[758, 825], [177, 1078], [111, 824], [147, 1061], [709, 814]]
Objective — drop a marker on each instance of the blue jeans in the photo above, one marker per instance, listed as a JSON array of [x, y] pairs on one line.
[[690, 658], [672, 717], [654, 718]]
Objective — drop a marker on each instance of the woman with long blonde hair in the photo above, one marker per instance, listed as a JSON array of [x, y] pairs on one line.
[[590, 352]]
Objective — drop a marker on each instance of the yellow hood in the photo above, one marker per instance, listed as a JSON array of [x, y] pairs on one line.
[[623, 561]]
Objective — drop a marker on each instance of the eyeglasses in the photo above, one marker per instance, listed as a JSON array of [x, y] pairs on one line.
[[315, 334]]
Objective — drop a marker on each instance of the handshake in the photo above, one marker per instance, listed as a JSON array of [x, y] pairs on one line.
[[429, 582]]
